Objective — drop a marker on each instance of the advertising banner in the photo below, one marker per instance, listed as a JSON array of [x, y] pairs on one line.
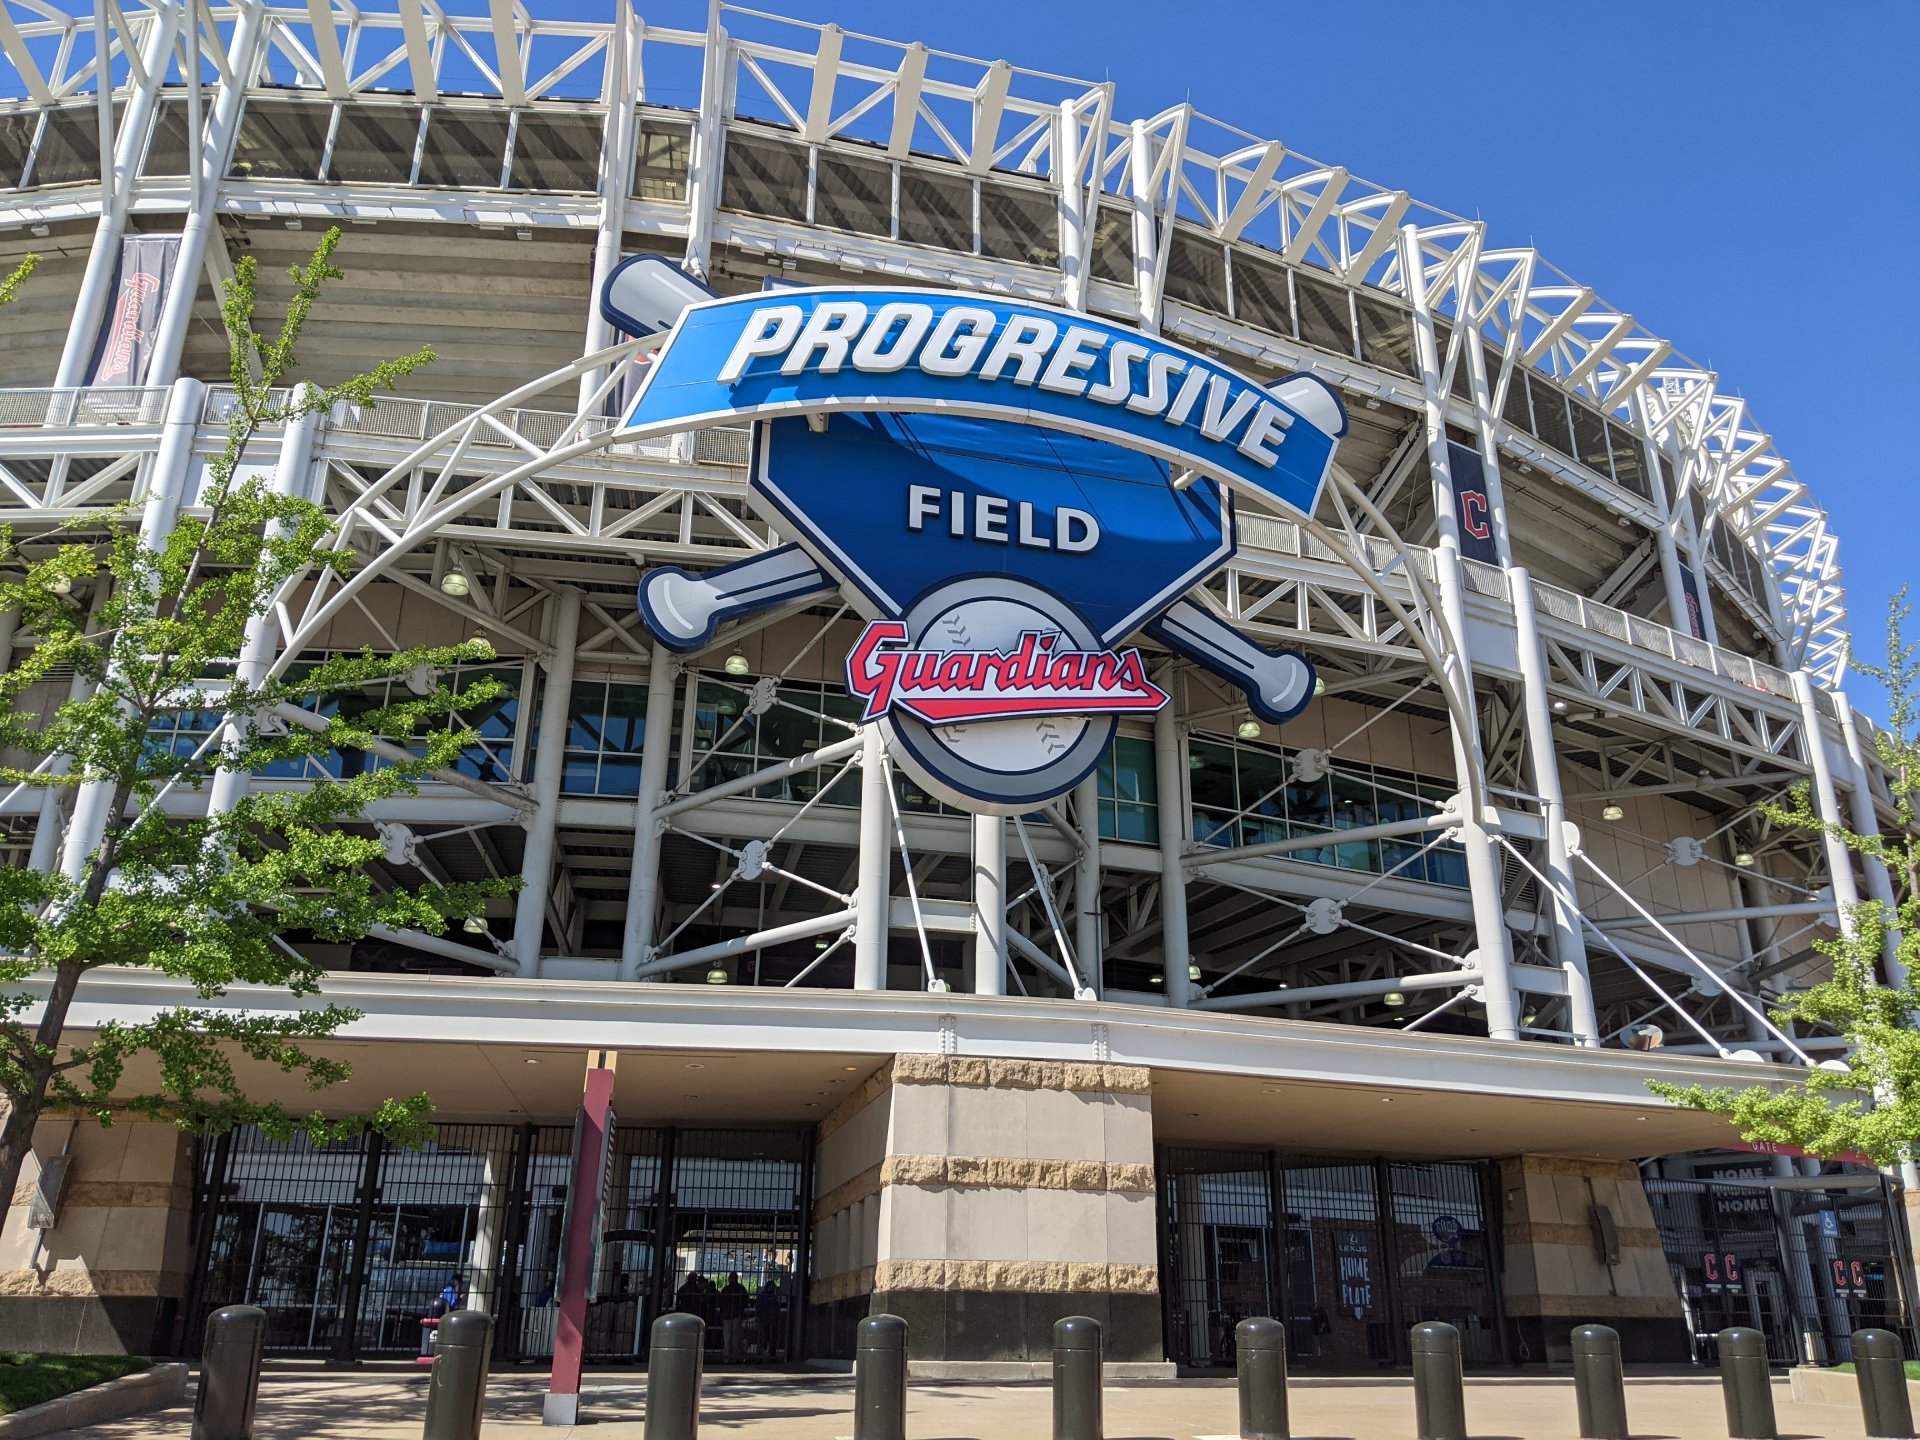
[[123, 354], [1691, 622], [1471, 505]]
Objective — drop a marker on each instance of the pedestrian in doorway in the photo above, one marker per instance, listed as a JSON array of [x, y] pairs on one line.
[[733, 1317]]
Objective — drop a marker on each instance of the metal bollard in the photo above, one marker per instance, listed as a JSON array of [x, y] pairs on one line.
[[1880, 1365], [1260, 1360], [1599, 1383], [1439, 1394], [676, 1362], [1747, 1385], [229, 1374], [1076, 1379], [880, 1379], [457, 1393]]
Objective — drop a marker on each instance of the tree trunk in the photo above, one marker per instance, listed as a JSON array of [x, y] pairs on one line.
[[24, 1111]]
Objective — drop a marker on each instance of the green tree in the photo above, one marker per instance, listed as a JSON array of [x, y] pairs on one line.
[[208, 900], [1872, 1103]]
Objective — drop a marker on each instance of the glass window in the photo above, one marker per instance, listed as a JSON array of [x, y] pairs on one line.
[[1018, 224], [1260, 293], [854, 194], [464, 150], [1514, 408], [16, 138], [167, 150], [1550, 414], [1590, 436], [1129, 792], [661, 157], [556, 152], [1386, 337], [1629, 466], [605, 722], [1263, 795], [1197, 272], [936, 209], [1325, 319], [375, 145], [1210, 779], [70, 147], [1112, 248], [765, 177], [281, 140]]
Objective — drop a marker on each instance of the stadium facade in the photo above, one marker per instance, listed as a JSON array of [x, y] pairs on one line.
[[1337, 1018]]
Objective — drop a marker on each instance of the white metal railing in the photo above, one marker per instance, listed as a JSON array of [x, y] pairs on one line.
[[39, 407], [1643, 634]]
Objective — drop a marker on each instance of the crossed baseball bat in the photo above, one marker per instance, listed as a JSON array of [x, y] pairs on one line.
[[683, 610]]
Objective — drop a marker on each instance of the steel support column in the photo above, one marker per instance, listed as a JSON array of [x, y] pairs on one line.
[[103, 259], [1087, 939], [549, 766], [1667, 502], [616, 178], [1487, 434], [1170, 785], [643, 884], [1866, 822], [1826, 802], [709, 144], [871, 899], [223, 125], [166, 484], [292, 478], [990, 905], [1483, 868], [1075, 223], [1569, 943]]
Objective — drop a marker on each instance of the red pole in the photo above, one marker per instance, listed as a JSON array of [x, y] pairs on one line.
[[592, 1137]]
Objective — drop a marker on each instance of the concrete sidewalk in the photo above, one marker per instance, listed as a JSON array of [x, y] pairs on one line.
[[318, 1404]]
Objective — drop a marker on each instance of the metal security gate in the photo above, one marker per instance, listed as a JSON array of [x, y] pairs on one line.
[[1805, 1266], [1350, 1258], [348, 1247]]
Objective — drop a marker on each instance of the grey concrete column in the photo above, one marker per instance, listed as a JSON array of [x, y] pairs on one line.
[[656, 754], [1494, 945], [1866, 822], [872, 898], [990, 905], [166, 484], [103, 258], [1569, 943], [1087, 939], [1826, 801], [292, 477], [1170, 785], [549, 767]]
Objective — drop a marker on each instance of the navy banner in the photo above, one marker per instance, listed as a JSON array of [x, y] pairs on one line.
[[123, 355], [1690, 587], [1471, 505]]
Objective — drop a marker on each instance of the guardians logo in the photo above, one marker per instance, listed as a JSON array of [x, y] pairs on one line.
[[1006, 492]]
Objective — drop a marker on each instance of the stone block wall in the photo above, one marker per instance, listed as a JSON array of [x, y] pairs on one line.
[[109, 1276], [1554, 1277], [981, 1200]]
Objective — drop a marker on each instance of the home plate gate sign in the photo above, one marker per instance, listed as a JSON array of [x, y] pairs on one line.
[[1006, 491]]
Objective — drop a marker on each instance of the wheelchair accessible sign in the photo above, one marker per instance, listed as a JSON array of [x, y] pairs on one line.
[[1007, 492]]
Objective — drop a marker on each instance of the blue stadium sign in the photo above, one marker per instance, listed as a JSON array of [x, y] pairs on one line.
[[1006, 492]]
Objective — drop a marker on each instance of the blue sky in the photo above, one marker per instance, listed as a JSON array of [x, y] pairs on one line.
[[1743, 176]]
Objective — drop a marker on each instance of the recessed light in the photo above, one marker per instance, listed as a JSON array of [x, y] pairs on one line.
[[850, 1069], [530, 1062], [1193, 1114], [695, 1065], [1386, 1099], [689, 1097]]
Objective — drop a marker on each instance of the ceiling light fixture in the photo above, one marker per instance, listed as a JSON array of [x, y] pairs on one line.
[[1394, 999], [1744, 860], [1193, 972], [737, 664], [40, 230], [1248, 729], [718, 976], [1612, 812], [61, 584], [455, 582], [1559, 707], [474, 925]]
